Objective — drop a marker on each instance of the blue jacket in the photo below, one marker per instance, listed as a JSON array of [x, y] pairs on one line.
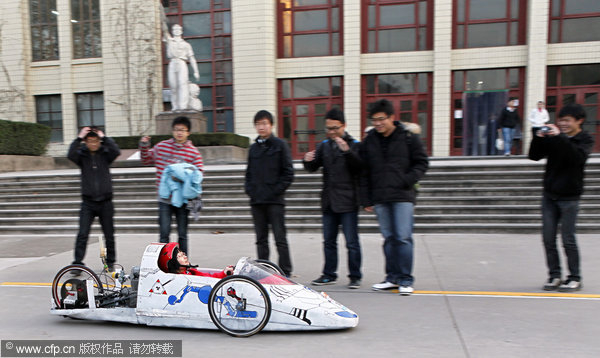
[[180, 182]]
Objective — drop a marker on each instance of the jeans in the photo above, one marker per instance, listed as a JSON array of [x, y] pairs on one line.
[[565, 213], [396, 224], [165, 213], [274, 214], [331, 223], [105, 211], [509, 135]]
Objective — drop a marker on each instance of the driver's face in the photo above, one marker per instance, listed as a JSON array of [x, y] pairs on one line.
[[182, 258]]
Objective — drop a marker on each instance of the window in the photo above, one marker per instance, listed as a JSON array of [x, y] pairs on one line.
[[85, 21], [410, 93], [44, 29], [576, 84], [207, 27], [309, 28], [48, 111], [484, 23], [574, 21], [507, 80], [397, 25], [303, 103], [90, 110]]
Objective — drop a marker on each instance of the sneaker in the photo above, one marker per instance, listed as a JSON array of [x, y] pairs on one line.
[[406, 290], [354, 283], [323, 280], [552, 284], [75, 273], [570, 286], [384, 285]]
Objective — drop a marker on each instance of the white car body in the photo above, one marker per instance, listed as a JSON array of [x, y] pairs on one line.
[[177, 300]]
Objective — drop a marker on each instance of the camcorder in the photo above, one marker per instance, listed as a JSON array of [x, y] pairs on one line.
[[545, 130]]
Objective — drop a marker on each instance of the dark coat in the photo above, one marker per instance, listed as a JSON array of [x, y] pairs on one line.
[[390, 174], [509, 119], [563, 178], [341, 171], [269, 172], [96, 181]]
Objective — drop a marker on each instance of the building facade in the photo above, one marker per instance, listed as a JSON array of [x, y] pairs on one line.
[[442, 63]]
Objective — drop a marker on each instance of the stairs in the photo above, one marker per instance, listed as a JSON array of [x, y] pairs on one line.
[[467, 195]]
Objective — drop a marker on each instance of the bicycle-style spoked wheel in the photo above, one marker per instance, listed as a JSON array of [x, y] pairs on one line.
[[70, 283], [239, 306], [270, 266]]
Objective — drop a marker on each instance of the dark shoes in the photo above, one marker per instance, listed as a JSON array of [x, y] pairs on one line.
[[552, 284], [354, 283], [570, 286], [555, 283], [323, 280]]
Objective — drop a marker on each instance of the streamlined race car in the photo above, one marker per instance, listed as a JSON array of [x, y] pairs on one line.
[[257, 296]]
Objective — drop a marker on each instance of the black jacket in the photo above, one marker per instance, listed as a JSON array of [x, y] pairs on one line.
[[509, 119], [392, 167], [563, 178], [341, 172], [269, 172], [96, 181]]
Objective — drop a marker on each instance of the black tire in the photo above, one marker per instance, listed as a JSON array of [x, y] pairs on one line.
[[253, 296], [270, 266], [64, 277]]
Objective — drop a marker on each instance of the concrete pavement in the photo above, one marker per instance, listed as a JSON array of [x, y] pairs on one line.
[[469, 299]]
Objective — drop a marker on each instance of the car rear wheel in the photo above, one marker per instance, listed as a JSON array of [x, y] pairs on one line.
[[70, 282], [239, 306]]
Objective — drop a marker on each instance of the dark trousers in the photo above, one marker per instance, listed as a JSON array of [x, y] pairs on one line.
[[165, 215], [274, 214], [565, 213], [105, 211], [349, 223]]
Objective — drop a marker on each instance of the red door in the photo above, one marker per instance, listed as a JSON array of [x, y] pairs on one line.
[[588, 97], [302, 124]]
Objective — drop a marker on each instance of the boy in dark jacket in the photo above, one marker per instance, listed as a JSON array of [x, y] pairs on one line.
[[508, 121], [394, 162], [93, 152], [268, 175], [566, 147], [338, 155]]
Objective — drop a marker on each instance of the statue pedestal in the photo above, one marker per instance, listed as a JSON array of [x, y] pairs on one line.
[[164, 120]]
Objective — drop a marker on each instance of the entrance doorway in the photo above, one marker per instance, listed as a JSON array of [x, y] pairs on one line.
[[304, 124]]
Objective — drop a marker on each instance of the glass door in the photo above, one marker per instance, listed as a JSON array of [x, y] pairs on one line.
[[304, 125]]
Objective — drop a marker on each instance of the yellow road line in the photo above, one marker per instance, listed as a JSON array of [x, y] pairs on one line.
[[419, 292], [25, 284], [510, 294]]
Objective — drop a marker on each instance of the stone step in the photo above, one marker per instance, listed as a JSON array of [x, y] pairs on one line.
[[426, 201], [505, 228], [126, 221]]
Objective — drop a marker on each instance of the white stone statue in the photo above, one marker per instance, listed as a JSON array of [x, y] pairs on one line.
[[179, 53], [195, 102]]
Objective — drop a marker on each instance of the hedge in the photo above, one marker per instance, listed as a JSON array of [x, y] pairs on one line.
[[21, 138], [199, 140]]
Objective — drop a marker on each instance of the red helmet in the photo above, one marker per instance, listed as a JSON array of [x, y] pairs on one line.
[[166, 254]]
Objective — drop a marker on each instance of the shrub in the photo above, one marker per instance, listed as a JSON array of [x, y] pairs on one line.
[[21, 138], [199, 140]]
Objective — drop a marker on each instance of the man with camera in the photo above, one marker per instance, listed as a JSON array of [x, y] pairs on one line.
[[566, 146], [94, 152]]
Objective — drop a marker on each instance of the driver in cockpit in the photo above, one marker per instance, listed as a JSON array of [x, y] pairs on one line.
[[173, 260]]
